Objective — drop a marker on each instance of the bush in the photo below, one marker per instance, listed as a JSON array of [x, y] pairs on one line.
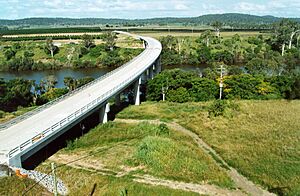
[[222, 108], [179, 95], [217, 108], [162, 130]]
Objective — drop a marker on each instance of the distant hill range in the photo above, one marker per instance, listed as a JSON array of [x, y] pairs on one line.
[[232, 19]]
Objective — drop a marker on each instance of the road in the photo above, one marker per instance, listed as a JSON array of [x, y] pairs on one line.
[[25, 130]]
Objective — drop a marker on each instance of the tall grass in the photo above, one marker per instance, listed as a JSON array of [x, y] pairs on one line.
[[262, 140]]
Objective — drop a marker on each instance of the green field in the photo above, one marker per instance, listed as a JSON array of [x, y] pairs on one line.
[[261, 141]]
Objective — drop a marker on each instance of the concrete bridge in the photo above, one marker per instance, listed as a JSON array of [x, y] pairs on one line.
[[27, 134]]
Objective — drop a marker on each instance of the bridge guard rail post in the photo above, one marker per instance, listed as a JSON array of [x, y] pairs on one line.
[[103, 113], [137, 91]]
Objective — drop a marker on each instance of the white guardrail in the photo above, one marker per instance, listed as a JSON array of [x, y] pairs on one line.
[[20, 118], [74, 116]]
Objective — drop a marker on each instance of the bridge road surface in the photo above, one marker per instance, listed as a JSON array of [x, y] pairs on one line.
[[25, 130]]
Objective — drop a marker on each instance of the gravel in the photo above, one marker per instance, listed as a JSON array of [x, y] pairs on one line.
[[45, 180]]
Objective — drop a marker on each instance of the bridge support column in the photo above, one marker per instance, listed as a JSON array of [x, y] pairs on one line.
[[15, 161], [103, 113], [137, 91], [118, 99], [158, 65], [150, 72]]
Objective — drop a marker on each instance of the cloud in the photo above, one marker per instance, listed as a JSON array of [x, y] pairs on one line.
[[247, 7], [144, 8]]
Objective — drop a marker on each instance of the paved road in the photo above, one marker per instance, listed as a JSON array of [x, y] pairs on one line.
[[17, 134]]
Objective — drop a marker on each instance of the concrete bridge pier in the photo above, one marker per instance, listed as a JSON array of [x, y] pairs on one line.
[[158, 65], [150, 69], [137, 91], [103, 113]]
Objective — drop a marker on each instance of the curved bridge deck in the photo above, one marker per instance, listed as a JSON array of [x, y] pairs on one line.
[[36, 128]]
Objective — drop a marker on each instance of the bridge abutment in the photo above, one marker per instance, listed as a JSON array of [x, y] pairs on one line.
[[15, 161]]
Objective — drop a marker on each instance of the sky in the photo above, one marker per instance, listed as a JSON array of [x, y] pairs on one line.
[[131, 9]]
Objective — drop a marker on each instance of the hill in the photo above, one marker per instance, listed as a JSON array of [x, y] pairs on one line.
[[228, 19]]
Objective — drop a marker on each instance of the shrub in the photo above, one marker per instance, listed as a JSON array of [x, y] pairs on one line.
[[217, 108], [162, 130], [179, 95], [222, 108]]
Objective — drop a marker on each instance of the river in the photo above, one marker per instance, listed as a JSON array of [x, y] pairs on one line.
[[77, 73]]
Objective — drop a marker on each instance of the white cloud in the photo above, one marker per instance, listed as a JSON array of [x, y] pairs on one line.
[[247, 7], [144, 8]]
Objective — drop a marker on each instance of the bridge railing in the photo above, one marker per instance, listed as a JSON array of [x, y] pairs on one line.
[[74, 116], [63, 97]]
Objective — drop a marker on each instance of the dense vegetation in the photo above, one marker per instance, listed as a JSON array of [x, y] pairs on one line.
[[270, 54], [19, 56], [19, 92], [180, 86], [255, 67]]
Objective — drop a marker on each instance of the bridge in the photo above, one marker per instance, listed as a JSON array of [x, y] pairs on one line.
[[27, 134]]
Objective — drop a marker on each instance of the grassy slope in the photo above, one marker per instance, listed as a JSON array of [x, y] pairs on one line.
[[6, 116], [119, 145], [262, 141], [13, 186]]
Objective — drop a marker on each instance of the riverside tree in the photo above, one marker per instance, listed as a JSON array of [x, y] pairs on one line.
[[110, 40], [50, 47], [88, 41]]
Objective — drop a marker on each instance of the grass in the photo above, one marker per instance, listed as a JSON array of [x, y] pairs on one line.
[[114, 146], [262, 141], [82, 182], [6, 116], [13, 186]]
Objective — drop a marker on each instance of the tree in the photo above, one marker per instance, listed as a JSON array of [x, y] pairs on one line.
[[206, 35], [50, 47], [88, 41], [283, 33], [14, 93], [70, 82], [110, 40], [169, 42], [49, 82], [217, 27]]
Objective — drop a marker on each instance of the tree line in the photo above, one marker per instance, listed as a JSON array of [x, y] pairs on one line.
[[268, 54], [21, 92]]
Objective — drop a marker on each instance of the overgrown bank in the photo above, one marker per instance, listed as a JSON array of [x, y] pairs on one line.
[[261, 140]]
